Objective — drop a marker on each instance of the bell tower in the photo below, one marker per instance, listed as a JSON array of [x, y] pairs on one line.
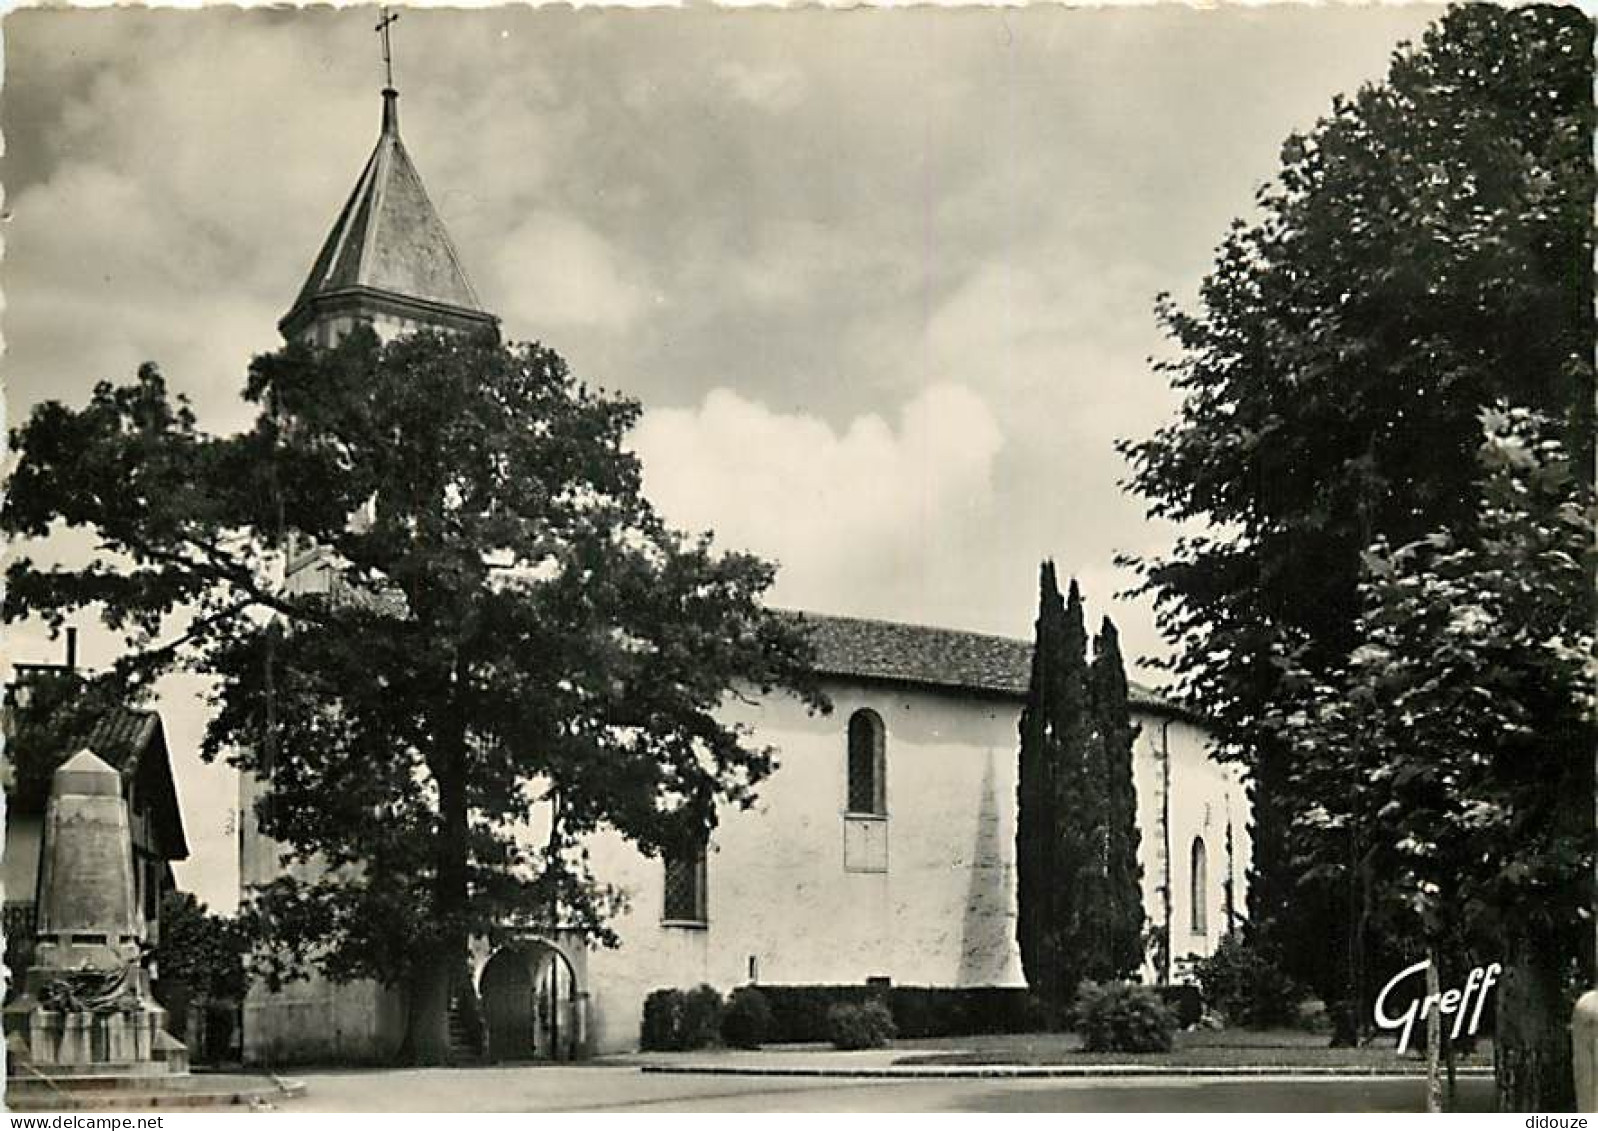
[[388, 261]]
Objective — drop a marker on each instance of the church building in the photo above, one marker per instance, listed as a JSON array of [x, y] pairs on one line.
[[883, 846]]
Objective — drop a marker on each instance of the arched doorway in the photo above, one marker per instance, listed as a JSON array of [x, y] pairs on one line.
[[531, 1003]]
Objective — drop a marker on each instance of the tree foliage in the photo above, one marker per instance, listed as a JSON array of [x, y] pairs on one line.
[[502, 624], [204, 951], [1467, 708], [1042, 907], [48, 714], [1425, 250], [1079, 897], [1123, 871]]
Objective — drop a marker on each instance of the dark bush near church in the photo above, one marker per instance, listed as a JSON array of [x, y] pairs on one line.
[[662, 1019], [1122, 1017], [1186, 1002], [1246, 986], [866, 1025], [746, 1020], [678, 1021]]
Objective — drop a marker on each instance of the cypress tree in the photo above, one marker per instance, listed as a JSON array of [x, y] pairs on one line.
[[1079, 899], [1123, 954], [1082, 828], [1037, 879]]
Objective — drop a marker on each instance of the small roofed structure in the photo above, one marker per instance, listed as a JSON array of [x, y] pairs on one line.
[[133, 743]]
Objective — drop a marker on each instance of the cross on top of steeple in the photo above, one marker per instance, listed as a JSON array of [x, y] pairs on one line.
[[388, 258], [388, 52]]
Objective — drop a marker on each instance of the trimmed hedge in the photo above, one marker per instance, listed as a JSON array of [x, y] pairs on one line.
[[746, 1019], [799, 1013]]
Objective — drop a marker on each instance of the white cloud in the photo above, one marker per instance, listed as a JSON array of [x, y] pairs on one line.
[[845, 513], [554, 271]]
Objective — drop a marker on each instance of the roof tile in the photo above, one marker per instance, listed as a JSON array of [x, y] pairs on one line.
[[932, 657]]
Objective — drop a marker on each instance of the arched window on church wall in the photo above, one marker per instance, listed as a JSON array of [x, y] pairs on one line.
[[1198, 894], [867, 764]]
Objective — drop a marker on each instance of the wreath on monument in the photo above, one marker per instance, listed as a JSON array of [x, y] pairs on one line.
[[90, 991]]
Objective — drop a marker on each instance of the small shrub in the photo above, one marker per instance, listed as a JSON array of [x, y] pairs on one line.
[[678, 1021], [1121, 1017], [1313, 1017], [662, 1021], [746, 1021], [1246, 986], [863, 1025]]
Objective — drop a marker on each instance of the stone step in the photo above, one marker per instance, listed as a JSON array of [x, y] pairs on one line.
[[129, 1078], [179, 1092]]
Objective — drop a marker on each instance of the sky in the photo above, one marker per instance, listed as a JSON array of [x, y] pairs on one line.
[[883, 281]]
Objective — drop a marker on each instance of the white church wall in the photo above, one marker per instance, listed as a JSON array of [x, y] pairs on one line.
[[1151, 782], [942, 914], [315, 1021], [779, 893], [1205, 796]]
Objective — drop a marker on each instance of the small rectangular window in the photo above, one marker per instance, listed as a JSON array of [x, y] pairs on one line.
[[686, 876]]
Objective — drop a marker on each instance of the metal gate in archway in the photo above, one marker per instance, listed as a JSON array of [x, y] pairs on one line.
[[532, 1005]]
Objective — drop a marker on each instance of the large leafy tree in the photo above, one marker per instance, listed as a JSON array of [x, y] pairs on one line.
[[1425, 250], [1467, 708], [504, 624]]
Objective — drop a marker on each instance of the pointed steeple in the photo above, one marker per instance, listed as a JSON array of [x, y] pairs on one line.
[[388, 259]]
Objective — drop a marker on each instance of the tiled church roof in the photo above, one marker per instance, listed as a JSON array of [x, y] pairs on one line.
[[932, 657]]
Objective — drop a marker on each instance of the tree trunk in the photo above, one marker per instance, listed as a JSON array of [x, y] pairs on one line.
[[1451, 1077], [1531, 1049], [445, 975], [427, 1021], [1434, 1035]]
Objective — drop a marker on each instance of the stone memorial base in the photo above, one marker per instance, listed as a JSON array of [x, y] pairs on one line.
[[121, 1033], [131, 1041]]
